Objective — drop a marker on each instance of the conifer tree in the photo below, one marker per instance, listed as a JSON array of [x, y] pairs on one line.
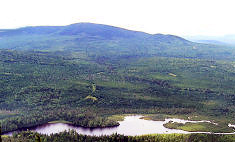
[[37, 138], [0, 134]]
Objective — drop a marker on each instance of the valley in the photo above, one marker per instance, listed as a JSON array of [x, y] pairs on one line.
[[88, 74]]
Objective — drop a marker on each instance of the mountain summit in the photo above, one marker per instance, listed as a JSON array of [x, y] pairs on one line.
[[105, 40]]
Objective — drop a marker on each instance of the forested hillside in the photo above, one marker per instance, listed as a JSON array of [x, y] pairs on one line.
[[86, 73], [104, 40], [37, 87]]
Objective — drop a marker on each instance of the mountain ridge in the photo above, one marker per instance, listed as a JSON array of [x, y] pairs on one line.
[[105, 40], [75, 29]]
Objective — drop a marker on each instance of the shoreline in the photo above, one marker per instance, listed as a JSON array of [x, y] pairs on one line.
[[51, 123]]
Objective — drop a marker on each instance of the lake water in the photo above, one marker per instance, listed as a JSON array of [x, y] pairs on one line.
[[230, 125], [132, 125]]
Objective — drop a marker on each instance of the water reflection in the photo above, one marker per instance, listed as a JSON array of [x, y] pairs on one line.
[[132, 125]]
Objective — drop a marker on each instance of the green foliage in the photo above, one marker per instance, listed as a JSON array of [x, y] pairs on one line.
[[101, 40], [155, 117], [38, 87], [37, 138], [0, 134], [93, 88], [72, 136], [91, 98], [200, 127]]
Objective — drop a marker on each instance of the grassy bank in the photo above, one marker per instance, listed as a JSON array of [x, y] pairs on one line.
[[200, 127], [60, 121]]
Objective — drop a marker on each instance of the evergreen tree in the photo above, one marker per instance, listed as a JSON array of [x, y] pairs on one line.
[[0, 134], [37, 138]]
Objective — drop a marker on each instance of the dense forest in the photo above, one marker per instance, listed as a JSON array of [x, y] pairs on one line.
[[86, 76], [72, 136], [38, 87]]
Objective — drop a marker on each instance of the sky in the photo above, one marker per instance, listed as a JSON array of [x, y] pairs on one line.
[[178, 17]]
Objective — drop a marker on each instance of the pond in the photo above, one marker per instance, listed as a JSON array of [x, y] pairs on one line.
[[132, 125]]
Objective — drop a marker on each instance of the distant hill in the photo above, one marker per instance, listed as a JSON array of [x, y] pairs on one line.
[[219, 40], [215, 42], [104, 40], [105, 31], [88, 29]]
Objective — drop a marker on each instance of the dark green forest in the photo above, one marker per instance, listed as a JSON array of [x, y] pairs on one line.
[[72, 136], [86, 73], [38, 87]]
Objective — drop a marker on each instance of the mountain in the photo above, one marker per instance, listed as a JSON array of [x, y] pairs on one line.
[[40, 30], [88, 29], [104, 31], [215, 42], [228, 40], [105, 40], [90, 74]]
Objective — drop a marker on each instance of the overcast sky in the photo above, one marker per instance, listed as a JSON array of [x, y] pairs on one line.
[[179, 17]]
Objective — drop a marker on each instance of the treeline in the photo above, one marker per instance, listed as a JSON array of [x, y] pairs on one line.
[[73, 136], [77, 117], [85, 117], [45, 86]]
